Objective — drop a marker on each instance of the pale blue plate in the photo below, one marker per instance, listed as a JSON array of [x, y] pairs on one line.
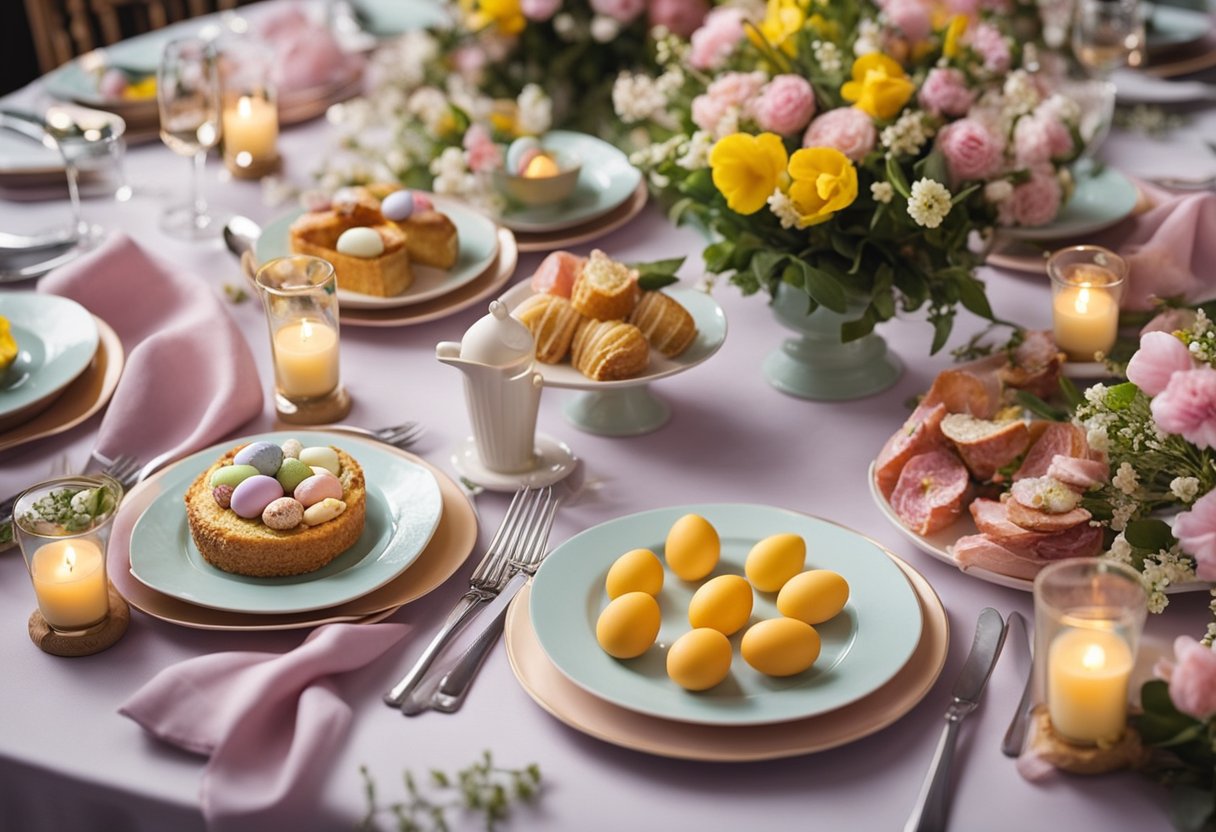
[[386, 18], [403, 510], [605, 182], [56, 340], [863, 647], [1172, 26], [478, 248], [1098, 202]]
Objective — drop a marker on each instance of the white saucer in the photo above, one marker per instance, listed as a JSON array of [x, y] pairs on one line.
[[554, 462]]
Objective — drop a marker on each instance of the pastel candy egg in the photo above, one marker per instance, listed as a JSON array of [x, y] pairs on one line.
[[398, 205], [320, 456], [250, 498], [360, 242], [232, 475], [222, 495], [292, 448], [520, 151], [291, 473], [422, 202], [323, 472], [265, 456], [324, 511], [283, 514], [113, 84], [316, 488]]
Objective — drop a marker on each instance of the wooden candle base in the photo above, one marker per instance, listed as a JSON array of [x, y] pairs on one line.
[[256, 169], [1046, 743], [104, 636]]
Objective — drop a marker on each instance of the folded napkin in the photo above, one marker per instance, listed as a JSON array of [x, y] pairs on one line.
[[306, 54], [173, 327], [1170, 249], [270, 723]]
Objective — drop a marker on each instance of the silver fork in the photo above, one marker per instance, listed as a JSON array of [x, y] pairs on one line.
[[487, 580], [400, 436], [122, 468]]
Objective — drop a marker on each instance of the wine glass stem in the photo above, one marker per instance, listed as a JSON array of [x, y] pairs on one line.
[[82, 229], [197, 199]]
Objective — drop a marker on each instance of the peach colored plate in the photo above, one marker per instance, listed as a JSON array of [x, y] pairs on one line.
[[449, 547], [587, 713], [588, 231], [86, 395]]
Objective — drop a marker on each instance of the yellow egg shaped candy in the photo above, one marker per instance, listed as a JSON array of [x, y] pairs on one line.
[[780, 646], [775, 560], [628, 625], [8, 344], [723, 603], [699, 659], [638, 570], [692, 547], [813, 596]]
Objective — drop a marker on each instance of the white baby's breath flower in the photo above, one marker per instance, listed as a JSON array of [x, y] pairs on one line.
[[695, 155], [783, 208], [1126, 480], [636, 97], [604, 28], [535, 111], [1021, 94], [869, 38], [1121, 515], [998, 190], [882, 192], [907, 135], [1120, 549], [929, 203], [827, 55], [1184, 488], [566, 26], [1097, 439]]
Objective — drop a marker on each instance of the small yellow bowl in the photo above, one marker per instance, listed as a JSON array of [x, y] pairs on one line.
[[545, 190]]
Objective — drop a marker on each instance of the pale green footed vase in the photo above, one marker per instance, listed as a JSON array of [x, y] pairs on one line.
[[815, 364]]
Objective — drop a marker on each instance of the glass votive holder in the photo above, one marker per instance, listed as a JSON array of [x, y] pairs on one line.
[[249, 114], [1089, 613], [1086, 288], [63, 528], [299, 294]]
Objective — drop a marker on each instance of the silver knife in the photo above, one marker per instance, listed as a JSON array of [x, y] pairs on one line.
[[929, 814], [1015, 736]]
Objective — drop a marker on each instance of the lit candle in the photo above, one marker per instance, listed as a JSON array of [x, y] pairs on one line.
[[1085, 314], [306, 358], [541, 167], [1087, 673], [251, 131], [70, 582]]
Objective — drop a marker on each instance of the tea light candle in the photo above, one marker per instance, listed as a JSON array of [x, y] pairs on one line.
[[251, 131], [70, 583], [1087, 675], [306, 358], [541, 167], [1085, 314]]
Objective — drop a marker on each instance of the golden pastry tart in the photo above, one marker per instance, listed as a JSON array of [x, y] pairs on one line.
[[609, 350], [666, 324], [552, 320]]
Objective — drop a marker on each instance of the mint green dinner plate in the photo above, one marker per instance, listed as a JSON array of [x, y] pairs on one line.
[[1099, 201], [863, 646], [386, 18], [403, 510], [605, 181], [478, 247], [1170, 27], [56, 340]]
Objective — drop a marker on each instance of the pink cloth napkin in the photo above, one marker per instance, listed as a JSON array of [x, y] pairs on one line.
[[306, 54], [174, 327], [1170, 249], [270, 723]]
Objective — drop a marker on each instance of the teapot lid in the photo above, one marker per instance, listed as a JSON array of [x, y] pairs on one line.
[[497, 339]]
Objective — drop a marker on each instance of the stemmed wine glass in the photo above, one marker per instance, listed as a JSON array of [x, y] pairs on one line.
[[188, 93], [1107, 34]]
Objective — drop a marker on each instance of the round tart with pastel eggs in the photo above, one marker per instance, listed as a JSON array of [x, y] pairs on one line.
[[592, 312], [266, 510]]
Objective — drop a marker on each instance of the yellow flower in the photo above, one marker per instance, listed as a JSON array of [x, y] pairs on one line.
[[825, 182], [503, 117], [823, 27], [783, 19], [954, 33], [879, 86], [504, 15], [747, 169]]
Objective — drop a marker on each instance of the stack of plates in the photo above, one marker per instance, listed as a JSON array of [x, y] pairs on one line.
[[67, 367], [880, 656], [420, 528]]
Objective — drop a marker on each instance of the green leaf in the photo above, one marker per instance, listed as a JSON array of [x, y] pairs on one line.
[[962, 195], [1041, 408], [823, 288], [1121, 396], [863, 326], [1191, 807], [1150, 534], [718, 255], [971, 293], [941, 332], [654, 282], [1155, 697], [895, 175], [766, 263], [934, 167]]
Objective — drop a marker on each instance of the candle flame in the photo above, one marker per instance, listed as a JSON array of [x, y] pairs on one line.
[[1082, 302], [69, 558], [244, 107], [1094, 658], [305, 330]]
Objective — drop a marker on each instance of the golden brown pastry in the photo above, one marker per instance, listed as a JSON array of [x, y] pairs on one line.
[[552, 321], [665, 323], [316, 233], [431, 239], [609, 350], [605, 290]]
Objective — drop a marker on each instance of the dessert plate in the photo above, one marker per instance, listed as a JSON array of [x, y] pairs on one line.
[[593, 716], [606, 181], [403, 509], [56, 340], [479, 246], [601, 226], [863, 647], [388, 18], [1170, 27], [1099, 201], [83, 397], [447, 550]]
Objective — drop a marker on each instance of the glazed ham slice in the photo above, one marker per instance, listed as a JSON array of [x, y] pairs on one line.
[[1057, 439], [1035, 365], [975, 390], [976, 551], [921, 432], [556, 274], [931, 490], [1081, 474], [1037, 520], [1082, 540]]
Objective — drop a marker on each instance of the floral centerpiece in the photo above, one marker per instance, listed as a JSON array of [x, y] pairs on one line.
[[852, 149], [443, 102]]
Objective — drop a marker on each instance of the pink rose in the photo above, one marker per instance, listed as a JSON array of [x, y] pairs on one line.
[[733, 89], [707, 112], [1196, 533], [971, 151], [484, 155], [469, 61], [717, 38], [539, 10], [945, 93], [1159, 357], [847, 129], [1035, 202], [1170, 320], [1040, 138], [991, 45], [1187, 406], [970, 8], [909, 16], [681, 17], [1191, 677], [785, 105], [623, 11]]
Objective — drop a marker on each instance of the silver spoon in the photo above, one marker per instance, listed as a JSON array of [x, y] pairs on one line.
[[240, 234]]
